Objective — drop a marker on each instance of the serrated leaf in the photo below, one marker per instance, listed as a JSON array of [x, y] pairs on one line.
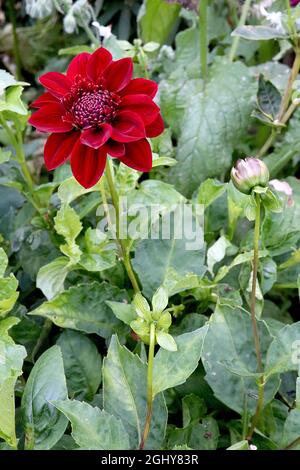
[[83, 307], [93, 429], [173, 368], [67, 223], [43, 424], [125, 390]]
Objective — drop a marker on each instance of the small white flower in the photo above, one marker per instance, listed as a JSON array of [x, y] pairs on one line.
[[252, 447]]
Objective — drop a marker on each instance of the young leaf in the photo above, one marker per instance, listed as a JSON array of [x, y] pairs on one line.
[[160, 300], [123, 311], [166, 341], [43, 424], [93, 429], [51, 277], [268, 98]]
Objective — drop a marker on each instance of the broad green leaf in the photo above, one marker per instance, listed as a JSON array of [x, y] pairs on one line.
[[291, 430], [93, 429], [70, 189], [123, 311], [210, 190], [42, 423], [173, 368], [98, 253], [229, 359], [193, 409], [51, 277], [125, 395], [7, 411], [268, 98], [156, 20], [284, 351], [4, 156], [258, 33], [82, 364], [241, 445], [67, 223], [83, 307], [43, 193], [167, 261], [8, 294], [206, 144]]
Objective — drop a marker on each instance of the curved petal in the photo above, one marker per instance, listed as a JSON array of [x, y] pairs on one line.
[[127, 127], [45, 98], [77, 66], [118, 74], [156, 127], [142, 105], [95, 138], [49, 118], [138, 155], [87, 164], [58, 148], [57, 83], [140, 86], [98, 62], [114, 149]]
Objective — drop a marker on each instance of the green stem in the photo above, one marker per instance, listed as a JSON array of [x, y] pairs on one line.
[[236, 39], [253, 318], [16, 48], [90, 34], [149, 386], [122, 246], [203, 37], [293, 444]]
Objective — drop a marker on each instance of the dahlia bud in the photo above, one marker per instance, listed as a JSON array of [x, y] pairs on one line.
[[249, 173]]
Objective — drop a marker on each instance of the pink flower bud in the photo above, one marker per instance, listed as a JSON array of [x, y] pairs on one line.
[[249, 173]]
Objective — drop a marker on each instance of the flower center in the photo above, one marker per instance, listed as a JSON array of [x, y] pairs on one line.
[[90, 105]]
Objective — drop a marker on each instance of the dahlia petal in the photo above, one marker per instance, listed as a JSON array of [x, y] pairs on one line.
[[97, 63], [114, 149], [57, 83], [127, 127], [118, 74], [138, 155], [156, 127], [140, 86], [58, 148], [142, 105], [77, 66], [95, 138], [87, 164], [49, 119], [45, 98]]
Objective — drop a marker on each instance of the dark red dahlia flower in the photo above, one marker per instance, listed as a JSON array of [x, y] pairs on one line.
[[293, 3], [94, 110]]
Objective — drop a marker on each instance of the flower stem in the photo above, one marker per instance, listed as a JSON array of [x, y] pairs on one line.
[[149, 386], [121, 244], [236, 39], [203, 37], [253, 318], [16, 48]]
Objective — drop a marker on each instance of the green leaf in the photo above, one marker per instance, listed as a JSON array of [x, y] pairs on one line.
[[193, 409], [167, 261], [210, 190], [11, 101], [82, 364], [93, 429], [4, 156], [268, 98], [173, 368], [7, 80], [227, 345], [7, 411], [284, 352], [43, 424], [83, 307], [74, 50], [142, 307], [123, 311], [70, 189], [206, 143], [166, 341], [156, 20], [51, 277], [124, 395], [291, 430], [67, 223], [241, 445], [258, 33], [3, 262], [98, 253], [8, 287], [217, 252]]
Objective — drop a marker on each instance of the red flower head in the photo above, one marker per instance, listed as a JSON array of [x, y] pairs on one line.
[[94, 110]]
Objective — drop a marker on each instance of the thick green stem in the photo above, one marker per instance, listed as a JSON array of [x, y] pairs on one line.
[[260, 400], [149, 386], [236, 39], [203, 37], [122, 246]]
